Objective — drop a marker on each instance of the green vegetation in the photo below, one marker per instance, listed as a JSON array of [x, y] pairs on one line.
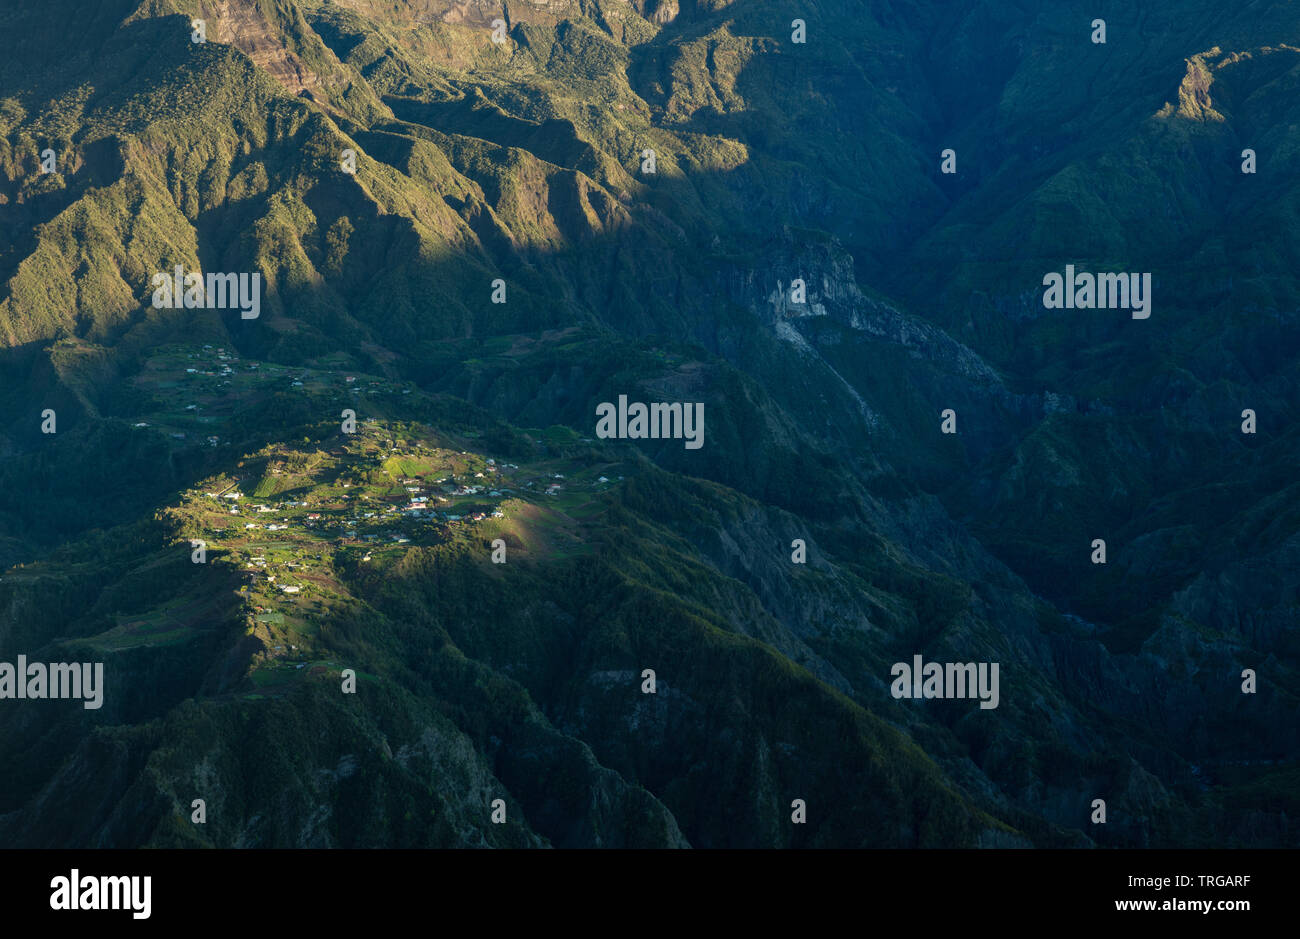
[[474, 424]]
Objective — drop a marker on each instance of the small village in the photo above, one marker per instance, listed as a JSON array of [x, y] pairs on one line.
[[298, 524], [203, 386], [359, 501]]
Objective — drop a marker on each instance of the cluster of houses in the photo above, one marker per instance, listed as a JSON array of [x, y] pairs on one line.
[[416, 504], [223, 367], [379, 517], [257, 567]]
